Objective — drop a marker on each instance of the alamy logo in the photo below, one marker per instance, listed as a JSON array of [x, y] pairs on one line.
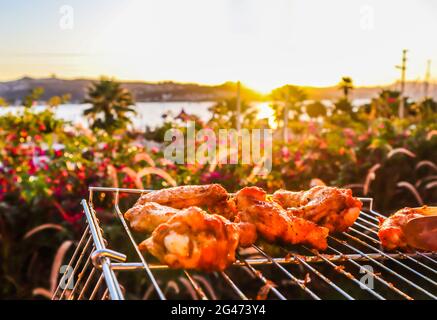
[[66, 22], [367, 281], [367, 17], [67, 279]]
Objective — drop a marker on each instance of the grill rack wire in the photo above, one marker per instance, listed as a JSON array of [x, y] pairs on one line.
[[400, 275]]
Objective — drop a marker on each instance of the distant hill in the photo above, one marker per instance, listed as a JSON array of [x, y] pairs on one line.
[[414, 90], [14, 91]]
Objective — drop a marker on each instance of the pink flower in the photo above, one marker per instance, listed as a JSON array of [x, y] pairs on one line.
[[363, 137], [210, 177], [312, 127], [349, 132], [103, 146], [285, 152], [350, 142]]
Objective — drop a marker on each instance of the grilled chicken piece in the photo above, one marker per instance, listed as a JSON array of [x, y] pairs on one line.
[[187, 196], [333, 208], [194, 239], [225, 208], [146, 217], [391, 231], [247, 232], [273, 223]]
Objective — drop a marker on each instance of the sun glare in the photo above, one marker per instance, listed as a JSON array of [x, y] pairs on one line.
[[265, 111]]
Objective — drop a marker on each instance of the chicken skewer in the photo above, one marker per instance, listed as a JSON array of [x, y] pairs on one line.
[[333, 208], [148, 216], [273, 222], [189, 237], [254, 213], [211, 196]]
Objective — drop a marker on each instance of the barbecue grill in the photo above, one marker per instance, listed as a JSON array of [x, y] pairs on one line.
[[353, 267]]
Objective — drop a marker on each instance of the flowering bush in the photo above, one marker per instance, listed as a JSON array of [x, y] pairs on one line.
[[46, 166]]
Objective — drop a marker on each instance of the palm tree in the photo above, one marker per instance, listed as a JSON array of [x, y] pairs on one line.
[[290, 98], [343, 104], [224, 114], [346, 85], [110, 105], [428, 107]]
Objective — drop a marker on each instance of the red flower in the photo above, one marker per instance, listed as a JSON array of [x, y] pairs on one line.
[[81, 175], [350, 142], [32, 168], [210, 177], [39, 151], [297, 156]]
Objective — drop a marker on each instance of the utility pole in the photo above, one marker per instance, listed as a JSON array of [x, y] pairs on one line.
[[427, 78], [286, 114], [403, 68], [238, 119]]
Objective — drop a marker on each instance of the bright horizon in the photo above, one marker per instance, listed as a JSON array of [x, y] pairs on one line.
[[263, 44]]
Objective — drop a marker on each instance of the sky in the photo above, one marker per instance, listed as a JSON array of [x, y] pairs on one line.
[[263, 43]]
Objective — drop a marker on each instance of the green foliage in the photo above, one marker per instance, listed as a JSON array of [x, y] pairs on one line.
[[385, 105], [111, 106], [57, 100], [428, 108], [343, 105], [290, 97], [224, 114], [47, 164], [33, 96], [316, 109], [3, 102]]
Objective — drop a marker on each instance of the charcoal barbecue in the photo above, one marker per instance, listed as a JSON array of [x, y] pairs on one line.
[[353, 267]]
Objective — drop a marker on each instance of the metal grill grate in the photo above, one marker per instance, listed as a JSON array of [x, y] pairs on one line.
[[279, 272]]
